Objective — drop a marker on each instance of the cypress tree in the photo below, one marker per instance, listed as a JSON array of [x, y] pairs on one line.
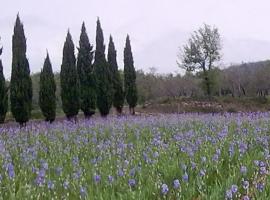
[[102, 73], [20, 84], [86, 75], [69, 80], [130, 77], [3, 93], [47, 98], [118, 95]]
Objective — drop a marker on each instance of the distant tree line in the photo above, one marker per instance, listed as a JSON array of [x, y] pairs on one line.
[[91, 80], [249, 80]]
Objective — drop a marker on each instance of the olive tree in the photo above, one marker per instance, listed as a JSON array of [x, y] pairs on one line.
[[200, 54]]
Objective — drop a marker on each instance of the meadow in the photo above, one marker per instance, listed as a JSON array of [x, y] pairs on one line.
[[185, 156]]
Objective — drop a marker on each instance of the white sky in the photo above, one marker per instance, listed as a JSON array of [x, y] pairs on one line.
[[157, 28]]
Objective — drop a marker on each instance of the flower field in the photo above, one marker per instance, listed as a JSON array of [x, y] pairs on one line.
[[186, 156]]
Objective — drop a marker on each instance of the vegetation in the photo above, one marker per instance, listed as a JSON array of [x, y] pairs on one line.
[[86, 75], [201, 52], [47, 98], [3, 93], [20, 84], [130, 77], [187, 156], [222, 155], [104, 85], [69, 80], [118, 96], [99, 83]]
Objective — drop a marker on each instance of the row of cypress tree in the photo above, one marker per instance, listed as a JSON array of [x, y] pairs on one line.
[[3, 93], [84, 84]]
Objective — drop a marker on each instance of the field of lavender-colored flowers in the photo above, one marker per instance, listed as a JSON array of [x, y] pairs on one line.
[[186, 156]]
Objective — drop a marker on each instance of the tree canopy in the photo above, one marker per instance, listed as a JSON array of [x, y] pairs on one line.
[[130, 77], [86, 75], [118, 93], [21, 84], [69, 80], [201, 52], [47, 98]]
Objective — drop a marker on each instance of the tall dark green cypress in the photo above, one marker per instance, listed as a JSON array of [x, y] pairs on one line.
[[20, 84], [103, 76], [130, 77], [47, 98], [69, 80], [118, 93], [3, 93], [86, 75]]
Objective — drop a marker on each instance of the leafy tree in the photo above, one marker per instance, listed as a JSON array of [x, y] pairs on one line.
[[21, 84], [103, 76], [69, 80], [130, 77], [201, 52], [118, 96], [47, 98], [3, 93], [86, 75]]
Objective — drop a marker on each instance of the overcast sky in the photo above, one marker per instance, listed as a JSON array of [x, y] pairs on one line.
[[157, 28]]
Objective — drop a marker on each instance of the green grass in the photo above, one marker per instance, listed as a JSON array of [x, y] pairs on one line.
[[157, 148]]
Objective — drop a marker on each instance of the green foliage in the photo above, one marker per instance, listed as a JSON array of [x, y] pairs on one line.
[[212, 82], [21, 84], [201, 52], [3, 93], [86, 75], [207, 154], [130, 77], [104, 85], [69, 80], [47, 98], [118, 97]]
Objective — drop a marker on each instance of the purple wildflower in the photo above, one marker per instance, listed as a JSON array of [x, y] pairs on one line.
[[120, 172], [193, 165], [132, 172], [59, 170], [131, 182], [185, 177], [66, 184], [11, 172], [110, 179], [246, 197], [260, 186], [50, 185], [245, 185], [83, 192], [234, 188], [202, 172], [75, 160], [243, 169], [263, 170], [164, 189], [155, 154], [176, 184], [45, 165], [97, 178], [229, 194]]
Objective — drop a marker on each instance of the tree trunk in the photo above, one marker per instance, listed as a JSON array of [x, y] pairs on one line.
[[132, 110], [208, 90], [119, 111], [243, 90], [206, 78]]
